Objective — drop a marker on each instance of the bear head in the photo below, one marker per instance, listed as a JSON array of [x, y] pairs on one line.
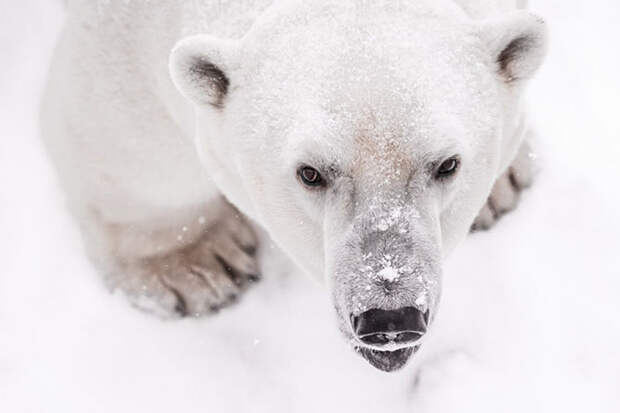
[[364, 136]]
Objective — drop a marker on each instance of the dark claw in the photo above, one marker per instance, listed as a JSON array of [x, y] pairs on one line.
[[215, 308], [232, 298], [180, 307], [514, 182], [249, 249], [477, 228], [238, 278], [229, 270]]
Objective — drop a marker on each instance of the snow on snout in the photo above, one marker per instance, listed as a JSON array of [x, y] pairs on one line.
[[388, 273]]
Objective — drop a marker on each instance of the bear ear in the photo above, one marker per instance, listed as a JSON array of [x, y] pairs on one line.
[[518, 43], [199, 67]]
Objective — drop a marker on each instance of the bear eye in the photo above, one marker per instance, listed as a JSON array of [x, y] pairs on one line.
[[447, 168], [310, 176]]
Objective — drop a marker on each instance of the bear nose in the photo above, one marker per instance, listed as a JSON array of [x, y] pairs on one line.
[[380, 327]]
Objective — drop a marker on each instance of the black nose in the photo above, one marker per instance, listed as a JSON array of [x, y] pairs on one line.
[[379, 327]]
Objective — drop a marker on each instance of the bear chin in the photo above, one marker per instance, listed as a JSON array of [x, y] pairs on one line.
[[387, 360]]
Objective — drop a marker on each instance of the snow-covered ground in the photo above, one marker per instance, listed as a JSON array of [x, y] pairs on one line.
[[530, 317]]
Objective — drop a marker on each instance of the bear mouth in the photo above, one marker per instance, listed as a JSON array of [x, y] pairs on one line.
[[387, 361]]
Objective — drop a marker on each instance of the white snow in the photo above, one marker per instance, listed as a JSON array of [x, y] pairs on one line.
[[388, 273], [530, 316], [421, 300]]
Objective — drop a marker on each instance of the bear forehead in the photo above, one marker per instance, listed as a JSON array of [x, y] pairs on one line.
[[320, 25], [380, 115], [296, 13], [372, 56]]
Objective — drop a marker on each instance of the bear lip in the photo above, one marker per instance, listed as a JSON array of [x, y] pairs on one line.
[[387, 361]]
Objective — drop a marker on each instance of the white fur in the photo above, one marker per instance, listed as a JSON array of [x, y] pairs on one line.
[[356, 83]]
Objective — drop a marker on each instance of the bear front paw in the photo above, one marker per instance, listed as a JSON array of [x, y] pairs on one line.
[[506, 191], [198, 279]]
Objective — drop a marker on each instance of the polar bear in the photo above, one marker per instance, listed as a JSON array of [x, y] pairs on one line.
[[364, 136]]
